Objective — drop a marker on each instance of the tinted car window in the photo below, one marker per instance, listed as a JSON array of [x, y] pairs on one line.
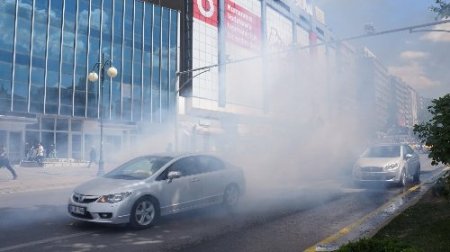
[[408, 150], [383, 151], [140, 168], [210, 164], [186, 166]]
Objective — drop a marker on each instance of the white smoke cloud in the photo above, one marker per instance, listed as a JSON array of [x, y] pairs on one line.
[[413, 71], [413, 55], [414, 74]]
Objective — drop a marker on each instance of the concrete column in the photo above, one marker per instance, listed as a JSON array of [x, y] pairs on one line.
[[222, 54], [264, 52]]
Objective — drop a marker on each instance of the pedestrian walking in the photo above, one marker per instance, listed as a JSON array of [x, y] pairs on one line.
[[40, 154], [4, 161], [92, 156]]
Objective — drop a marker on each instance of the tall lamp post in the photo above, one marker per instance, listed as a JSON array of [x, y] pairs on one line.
[[93, 77]]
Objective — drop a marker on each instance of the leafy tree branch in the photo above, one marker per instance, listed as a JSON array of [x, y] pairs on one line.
[[442, 9], [436, 132]]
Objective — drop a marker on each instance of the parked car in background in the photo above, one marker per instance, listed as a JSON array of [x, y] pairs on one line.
[[395, 163], [145, 188]]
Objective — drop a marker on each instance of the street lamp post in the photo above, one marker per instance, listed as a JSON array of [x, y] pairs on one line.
[[93, 76]]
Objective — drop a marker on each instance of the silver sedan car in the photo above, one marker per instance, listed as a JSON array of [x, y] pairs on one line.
[[145, 188], [396, 163]]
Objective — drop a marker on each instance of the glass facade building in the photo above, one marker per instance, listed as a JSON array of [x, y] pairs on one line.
[[47, 49], [245, 40]]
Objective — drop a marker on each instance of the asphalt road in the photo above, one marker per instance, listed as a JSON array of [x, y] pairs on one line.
[[286, 219]]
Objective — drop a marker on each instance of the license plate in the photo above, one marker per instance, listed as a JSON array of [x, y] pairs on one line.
[[372, 177], [77, 209]]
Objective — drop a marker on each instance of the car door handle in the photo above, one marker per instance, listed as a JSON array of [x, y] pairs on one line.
[[195, 180]]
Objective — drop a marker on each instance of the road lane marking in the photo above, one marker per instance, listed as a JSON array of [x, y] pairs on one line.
[[33, 243]]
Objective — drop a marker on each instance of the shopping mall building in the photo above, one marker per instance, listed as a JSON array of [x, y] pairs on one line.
[[49, 47]]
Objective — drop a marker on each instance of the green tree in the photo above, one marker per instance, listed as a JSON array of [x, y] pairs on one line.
[[442, 8], [436, 132]]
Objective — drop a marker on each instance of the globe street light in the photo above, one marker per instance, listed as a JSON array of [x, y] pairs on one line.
[[93, 77]]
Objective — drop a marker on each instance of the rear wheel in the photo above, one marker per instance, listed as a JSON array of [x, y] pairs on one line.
[[145, 213], [231, 196]]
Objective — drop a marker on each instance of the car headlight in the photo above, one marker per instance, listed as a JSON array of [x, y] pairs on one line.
[[392, 166], [113, 198]]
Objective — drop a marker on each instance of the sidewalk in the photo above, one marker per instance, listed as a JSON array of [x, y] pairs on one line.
[[43, 178]]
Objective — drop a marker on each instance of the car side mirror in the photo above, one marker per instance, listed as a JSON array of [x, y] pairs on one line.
[[408, 156], [173, 175]]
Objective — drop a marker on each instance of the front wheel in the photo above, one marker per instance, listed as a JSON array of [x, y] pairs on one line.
[[403, 178], [417, 175], [145, 213], [231, 196]]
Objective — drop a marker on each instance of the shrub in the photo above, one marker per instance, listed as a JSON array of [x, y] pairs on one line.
[[442, 187], [375, 245]]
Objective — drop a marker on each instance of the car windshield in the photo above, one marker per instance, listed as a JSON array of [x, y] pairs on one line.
[[382, 151], [139, 168]]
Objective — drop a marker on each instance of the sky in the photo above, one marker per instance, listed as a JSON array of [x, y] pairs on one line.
[[421, 59]]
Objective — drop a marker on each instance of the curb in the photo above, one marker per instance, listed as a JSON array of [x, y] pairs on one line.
[[28, 188], [46, 178]]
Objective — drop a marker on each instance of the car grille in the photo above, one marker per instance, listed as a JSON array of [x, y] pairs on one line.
[[373, 176], [371, 169], [87, 215], [377, 176], [81, 198]]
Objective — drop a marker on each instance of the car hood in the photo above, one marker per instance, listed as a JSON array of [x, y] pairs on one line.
[[103, 186], [376, 162]]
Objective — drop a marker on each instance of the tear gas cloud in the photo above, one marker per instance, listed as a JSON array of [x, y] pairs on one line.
[[307, 133]]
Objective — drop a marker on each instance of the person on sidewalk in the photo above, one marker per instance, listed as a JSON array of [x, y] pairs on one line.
[[40, 154], [31, 155], [4, 161], [92, 156]]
